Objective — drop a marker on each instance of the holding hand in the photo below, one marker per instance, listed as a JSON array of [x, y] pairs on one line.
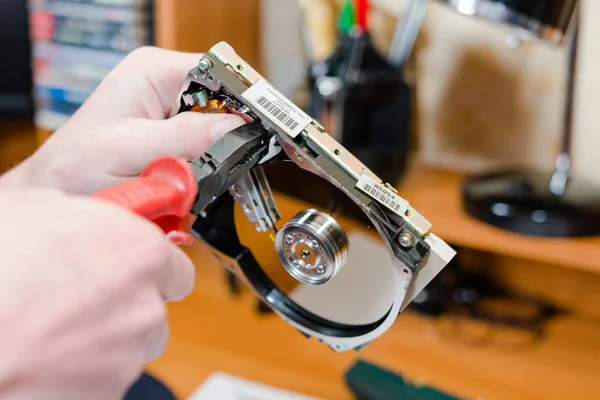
[[123, 126], [84, 281], [81, 296]]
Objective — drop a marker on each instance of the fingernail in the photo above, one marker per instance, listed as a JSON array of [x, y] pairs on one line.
[[226, 123]]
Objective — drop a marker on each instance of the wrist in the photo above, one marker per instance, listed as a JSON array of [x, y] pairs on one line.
[[17, 177], [34, 172]]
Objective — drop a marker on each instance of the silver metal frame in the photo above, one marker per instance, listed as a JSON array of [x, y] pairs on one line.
[[317, 152]]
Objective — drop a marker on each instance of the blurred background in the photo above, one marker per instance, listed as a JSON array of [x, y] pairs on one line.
[[430, 95]]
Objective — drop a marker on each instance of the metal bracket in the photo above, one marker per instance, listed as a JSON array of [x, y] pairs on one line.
[[254, 195]]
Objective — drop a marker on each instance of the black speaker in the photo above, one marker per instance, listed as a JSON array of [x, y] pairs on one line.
[[16, 98]]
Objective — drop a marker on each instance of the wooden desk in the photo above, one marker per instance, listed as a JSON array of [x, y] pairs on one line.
[[17, 141], [215, 331], [436, 195]]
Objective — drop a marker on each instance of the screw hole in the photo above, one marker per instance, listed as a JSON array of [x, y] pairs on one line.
[[337, 152], [405, 271], [240, 67]]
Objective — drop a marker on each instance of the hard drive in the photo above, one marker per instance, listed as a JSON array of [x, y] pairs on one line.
[[338, 266]]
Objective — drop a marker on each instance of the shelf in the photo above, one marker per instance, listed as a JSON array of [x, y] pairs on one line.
[[436, 195], [183, 25], [213, 330]]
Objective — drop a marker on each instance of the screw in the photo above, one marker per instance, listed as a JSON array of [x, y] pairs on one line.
[[289, 238], [406, 240], [321, 270], [314, 244], [204, 64], [305, 254]]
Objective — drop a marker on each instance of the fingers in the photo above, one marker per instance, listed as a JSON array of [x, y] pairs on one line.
[[149, 252], [176, 279], [192, 133], [158, 340], [144, 85], [186, 135]]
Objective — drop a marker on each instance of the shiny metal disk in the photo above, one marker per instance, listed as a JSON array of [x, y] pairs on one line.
[[312, 247]]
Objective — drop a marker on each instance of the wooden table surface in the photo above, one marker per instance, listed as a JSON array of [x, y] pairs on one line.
[[213, 330], [436, 194], [17, 141]]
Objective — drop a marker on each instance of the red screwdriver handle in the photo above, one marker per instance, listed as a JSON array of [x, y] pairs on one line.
[[164, 193]]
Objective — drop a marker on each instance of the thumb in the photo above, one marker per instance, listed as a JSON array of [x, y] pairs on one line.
[[189, 134]]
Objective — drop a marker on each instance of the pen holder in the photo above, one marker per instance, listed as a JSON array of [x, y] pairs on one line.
[[364, 103]]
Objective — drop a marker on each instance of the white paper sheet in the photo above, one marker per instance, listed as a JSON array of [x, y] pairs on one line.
[[222, 386]]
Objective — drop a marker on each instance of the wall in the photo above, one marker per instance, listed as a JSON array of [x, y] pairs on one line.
[[195, 26], [480, 102], [586, 145], [284, 59]]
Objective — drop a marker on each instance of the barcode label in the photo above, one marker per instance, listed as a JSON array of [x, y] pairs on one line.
[[277, 113], [382, 194], [275, 106]]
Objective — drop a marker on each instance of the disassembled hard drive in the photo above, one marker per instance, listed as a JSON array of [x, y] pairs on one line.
[[345, 293]]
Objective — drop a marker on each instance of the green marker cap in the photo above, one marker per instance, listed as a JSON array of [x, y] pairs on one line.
[[347, 19]]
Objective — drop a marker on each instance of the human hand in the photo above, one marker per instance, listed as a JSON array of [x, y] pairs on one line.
[[81, 296], [123, 126]]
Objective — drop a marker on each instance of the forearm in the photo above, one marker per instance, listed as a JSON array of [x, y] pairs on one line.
[[14, 353]]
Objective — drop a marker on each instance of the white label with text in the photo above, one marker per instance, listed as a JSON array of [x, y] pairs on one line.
[[383, 195], [276, 106]]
